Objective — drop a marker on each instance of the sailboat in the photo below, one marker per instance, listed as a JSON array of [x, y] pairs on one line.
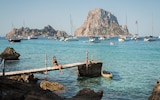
[[150, 38], [94, 39], [71, 38], [14, 40]]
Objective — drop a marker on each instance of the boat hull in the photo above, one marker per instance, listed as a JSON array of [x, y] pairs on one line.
[[106, 74], [17, 40]]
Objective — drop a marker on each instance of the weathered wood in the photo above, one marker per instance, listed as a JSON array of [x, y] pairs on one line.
[[40, 70]]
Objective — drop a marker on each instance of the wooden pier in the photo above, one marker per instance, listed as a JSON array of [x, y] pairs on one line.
[[41, 70], [88, 68]]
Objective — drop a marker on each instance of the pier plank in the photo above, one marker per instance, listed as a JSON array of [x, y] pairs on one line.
[[40, 70]]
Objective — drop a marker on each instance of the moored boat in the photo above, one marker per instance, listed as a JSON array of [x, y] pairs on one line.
[[121, 39], [150, 38], [94, 39], [32, 37], [14, 39], [71, 38], [106, 74]]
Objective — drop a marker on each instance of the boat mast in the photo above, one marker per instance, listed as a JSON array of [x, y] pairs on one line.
[[126, 20], [71, 28], [152, 24], [137, 26]]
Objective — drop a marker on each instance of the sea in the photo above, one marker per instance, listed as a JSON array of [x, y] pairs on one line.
[[135, 65]]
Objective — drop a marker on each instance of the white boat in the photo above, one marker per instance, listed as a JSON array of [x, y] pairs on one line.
[[32, 37], [111, 43], [62, 39], [145, 39], [150, 38], [121, 39], [124, 38], [101, 38], [94, 39], [106, 74], [71, 38]]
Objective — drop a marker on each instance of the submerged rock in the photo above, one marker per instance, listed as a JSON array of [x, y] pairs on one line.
[[52, 86], [88, 94], [9, 54]]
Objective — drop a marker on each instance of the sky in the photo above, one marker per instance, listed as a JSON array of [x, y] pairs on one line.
[[40, 13]]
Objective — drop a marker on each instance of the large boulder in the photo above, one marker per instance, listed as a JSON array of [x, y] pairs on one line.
[[52, 86], [9, 54], [88, 94]]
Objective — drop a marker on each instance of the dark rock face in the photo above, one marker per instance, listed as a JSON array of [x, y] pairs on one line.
[[14, 90], [93, 69], [155, 92], [101, 22], [9, 54], [87, 94]]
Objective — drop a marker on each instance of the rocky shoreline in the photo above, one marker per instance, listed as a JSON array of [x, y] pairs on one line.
[[25, 87]]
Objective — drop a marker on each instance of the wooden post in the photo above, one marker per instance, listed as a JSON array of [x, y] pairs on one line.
[[46, 61], [92, 57], [87, 61], [3, 67]]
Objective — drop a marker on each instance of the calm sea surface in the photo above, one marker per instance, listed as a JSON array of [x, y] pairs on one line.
[[135, 65]]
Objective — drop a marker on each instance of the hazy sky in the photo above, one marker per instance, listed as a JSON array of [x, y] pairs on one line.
[[40, 13]]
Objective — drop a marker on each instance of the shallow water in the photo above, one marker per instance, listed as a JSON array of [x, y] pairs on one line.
[[135, 65]]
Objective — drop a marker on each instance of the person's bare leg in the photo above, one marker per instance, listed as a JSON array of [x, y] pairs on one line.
[[60, 66]]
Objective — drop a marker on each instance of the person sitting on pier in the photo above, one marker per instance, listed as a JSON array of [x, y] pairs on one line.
[[54, 62]]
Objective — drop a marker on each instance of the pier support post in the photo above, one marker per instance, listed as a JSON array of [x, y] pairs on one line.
[[86, 61], [46, 61], [3, 67], [93, 69]]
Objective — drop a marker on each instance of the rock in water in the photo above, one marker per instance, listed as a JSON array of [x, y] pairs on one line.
[[9, 54], [88, 94], [101, 22], [52, 86]]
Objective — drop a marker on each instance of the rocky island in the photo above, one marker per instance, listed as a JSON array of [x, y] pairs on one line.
[[25, 32], [98, 23], [101, 23]]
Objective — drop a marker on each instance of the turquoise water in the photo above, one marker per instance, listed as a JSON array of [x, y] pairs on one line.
[[135, 65]]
